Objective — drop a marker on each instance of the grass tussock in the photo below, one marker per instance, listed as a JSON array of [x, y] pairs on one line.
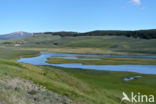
[[19, 91]]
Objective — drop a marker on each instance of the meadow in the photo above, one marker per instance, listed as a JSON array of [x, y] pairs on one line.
[[70, 86], [28, 84], [86, 44], [105, 61]]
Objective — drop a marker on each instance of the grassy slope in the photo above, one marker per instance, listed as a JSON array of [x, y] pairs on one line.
[[15, 53], [53, 79], [111, 44], [82, 86], [112, 82], [105, 61]]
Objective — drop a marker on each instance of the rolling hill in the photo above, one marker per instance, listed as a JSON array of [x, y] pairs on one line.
[[128, 42]]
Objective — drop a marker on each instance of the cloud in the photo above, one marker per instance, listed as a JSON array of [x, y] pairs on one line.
[[136, 2]]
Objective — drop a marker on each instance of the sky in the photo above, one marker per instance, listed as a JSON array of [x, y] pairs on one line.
[[76, 15]]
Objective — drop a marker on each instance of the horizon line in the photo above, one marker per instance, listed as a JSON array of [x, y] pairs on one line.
[[81, 31]]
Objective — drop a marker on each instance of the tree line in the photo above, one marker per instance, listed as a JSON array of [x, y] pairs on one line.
[[143, 34]]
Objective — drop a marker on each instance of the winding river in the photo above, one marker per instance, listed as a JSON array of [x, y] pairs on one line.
[[41, 60]]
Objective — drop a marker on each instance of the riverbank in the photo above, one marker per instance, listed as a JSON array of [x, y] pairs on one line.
[[42, 60], [78, 85], [105, 61], [98, 51]]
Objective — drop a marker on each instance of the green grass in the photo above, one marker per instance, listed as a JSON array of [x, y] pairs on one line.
[[105, 61], [79, 85], [15, 53], [84, 86], [112, 44], [16, 84], [54, 80]]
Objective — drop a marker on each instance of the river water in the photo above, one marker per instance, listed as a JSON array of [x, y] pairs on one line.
[[41, 60]]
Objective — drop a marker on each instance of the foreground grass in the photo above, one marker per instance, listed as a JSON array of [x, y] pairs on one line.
[[54, 80], [19, 91], [105, 61], [82, 86]]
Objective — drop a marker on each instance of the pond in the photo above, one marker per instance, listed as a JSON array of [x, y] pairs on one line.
[[41, 60]]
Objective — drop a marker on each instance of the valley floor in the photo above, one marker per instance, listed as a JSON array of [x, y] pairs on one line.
[[92, 51], [28, 84]]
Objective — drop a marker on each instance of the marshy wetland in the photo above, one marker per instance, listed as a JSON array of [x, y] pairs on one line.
[[140, 64], [54, 72]]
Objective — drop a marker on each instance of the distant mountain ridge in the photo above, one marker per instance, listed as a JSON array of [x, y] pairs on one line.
[[19, 34], [143, 34]]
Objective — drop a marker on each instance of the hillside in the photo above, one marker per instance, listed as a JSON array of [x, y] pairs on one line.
[[114, 44]]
